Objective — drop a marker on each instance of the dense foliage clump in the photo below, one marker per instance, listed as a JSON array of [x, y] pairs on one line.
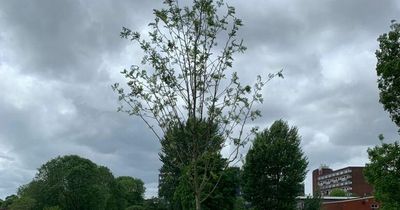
[[72, 182]]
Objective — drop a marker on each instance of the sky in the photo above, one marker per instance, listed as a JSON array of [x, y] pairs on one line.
[[58, 60]]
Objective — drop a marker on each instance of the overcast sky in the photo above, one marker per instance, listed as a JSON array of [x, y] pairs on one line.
[[59, 58]]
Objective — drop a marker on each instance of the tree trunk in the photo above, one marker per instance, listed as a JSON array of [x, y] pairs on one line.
[[197, 197]]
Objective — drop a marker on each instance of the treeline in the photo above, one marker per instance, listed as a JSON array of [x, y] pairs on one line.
[[72, 182], [270, 178]]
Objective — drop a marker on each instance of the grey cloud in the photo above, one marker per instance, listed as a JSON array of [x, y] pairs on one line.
[[288, 25], [68, 40], [59, 59], [66, 120]]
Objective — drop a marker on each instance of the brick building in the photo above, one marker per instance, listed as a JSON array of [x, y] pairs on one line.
[[366, 203], [349, 179]]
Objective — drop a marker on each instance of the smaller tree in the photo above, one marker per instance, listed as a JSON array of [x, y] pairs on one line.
[[132, 190], [274, 169], [8, 201], [383, 172], [23, 203], [338, 193], [155, 204]]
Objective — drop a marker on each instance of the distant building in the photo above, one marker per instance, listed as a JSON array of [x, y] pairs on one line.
[[349, 179], [302, 199], [342, 203]]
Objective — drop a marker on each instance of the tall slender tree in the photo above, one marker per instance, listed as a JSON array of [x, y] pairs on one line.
[[184, 76]]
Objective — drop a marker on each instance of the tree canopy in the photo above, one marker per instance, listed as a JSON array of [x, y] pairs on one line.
[[23, 203], [388, 71], [72, 182], [177, 173], [383, 172], [275, 168], [338, 193], [9, 200], [131, 189]]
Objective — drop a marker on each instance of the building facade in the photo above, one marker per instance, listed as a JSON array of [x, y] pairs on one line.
[[349, 179], [366, 203]]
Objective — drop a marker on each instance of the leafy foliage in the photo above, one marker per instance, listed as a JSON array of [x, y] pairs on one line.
[[9, 201], [24, 203], [312, 203], [383, 172], [155, 204], [187, 72], [178, 174], [239, 203], [131, 189], [72, 182], [274, 169], [337, 193], [388, 71], [225, 195], [135, 207]]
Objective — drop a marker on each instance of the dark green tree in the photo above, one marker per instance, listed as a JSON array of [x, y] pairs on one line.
[[226, 192], [135, 207], [155, 204], [132, 190], [72, 182], [23, 203], [388, 71], [177, 175], [312, 203], [9, 201], [383, 172], [275, 168], [184, 76], [240, 204]]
